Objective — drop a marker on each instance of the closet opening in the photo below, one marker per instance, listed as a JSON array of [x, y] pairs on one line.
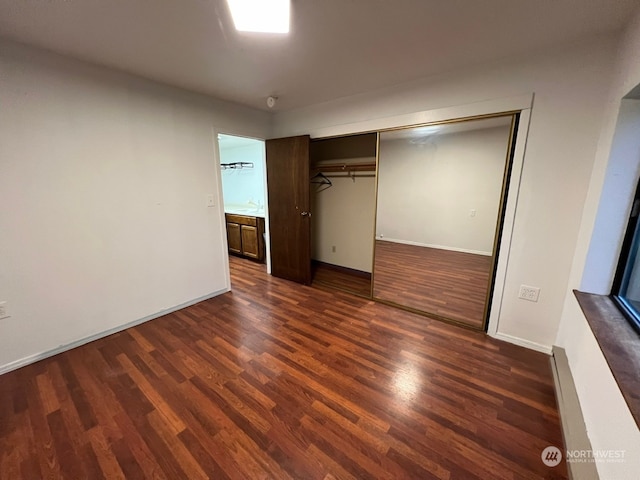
[[411, 216], [342, 186]]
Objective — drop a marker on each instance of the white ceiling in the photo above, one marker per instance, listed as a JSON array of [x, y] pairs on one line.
[[336, 48]]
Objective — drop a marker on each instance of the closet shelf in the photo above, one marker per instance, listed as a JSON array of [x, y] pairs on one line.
[[345, 167]]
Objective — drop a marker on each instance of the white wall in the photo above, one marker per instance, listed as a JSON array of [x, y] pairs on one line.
[[343, 216], [426, 191], [247, 185], [608, 420], [570, 86], [103, 183]]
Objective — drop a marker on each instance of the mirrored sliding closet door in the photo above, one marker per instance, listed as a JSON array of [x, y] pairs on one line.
[[440, 199]]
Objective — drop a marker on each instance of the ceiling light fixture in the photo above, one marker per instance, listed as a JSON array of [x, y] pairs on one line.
[[426, 130], [264, 16]]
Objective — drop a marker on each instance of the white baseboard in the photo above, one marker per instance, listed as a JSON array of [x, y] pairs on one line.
[[523, 343], [82, 341], [439, 247]]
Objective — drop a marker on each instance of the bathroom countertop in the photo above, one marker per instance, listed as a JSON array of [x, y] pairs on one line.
[[248, 210]]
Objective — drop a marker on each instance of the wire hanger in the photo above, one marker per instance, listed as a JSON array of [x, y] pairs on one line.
[[322, 181]]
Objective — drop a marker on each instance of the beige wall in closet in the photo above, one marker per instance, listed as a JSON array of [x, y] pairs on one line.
[[343, 216]]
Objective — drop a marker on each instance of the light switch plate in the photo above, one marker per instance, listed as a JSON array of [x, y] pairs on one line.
[[211, 201]]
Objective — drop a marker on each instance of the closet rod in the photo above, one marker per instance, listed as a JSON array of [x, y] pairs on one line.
[[352, 175], [346, 167]]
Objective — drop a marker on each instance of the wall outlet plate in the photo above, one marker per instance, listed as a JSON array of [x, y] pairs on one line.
[[3, 310], [211, 201], [529, 293]]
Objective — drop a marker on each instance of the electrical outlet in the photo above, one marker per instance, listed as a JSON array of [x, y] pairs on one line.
[[529, 293], [3, 310], [211, 202], [472, 212]]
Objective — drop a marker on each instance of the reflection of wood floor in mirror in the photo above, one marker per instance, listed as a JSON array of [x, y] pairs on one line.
[[447, 283], [331, 276]]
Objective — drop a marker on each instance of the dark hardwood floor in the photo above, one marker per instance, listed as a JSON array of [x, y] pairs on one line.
[[443, 282], [277, 380], [330, 276]]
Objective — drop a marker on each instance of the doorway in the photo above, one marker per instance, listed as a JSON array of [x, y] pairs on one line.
[[243, 178]]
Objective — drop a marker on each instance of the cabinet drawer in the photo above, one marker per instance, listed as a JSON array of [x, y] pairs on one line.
[[241, 219]]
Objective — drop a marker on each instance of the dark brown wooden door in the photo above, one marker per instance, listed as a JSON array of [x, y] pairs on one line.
[[289, 208]]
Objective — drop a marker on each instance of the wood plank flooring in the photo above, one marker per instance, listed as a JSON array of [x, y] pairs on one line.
[[443, 282], [281, 381], [347, 280]]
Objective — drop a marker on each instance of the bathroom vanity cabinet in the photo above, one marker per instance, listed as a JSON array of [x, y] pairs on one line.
[[245, 236]]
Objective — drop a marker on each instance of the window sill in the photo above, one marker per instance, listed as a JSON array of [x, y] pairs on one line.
[[619, 342]]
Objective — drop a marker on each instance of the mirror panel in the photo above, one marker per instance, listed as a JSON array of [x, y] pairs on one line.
[[438, 206]]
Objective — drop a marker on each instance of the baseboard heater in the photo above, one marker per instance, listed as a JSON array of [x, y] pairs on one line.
[[574, 431]]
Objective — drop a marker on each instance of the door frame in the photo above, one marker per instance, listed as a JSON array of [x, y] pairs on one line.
[[521, 104]]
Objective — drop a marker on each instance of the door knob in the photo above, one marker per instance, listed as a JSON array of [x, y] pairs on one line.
[[305, 214]]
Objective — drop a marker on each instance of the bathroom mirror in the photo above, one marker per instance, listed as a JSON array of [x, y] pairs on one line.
[[439, 212]]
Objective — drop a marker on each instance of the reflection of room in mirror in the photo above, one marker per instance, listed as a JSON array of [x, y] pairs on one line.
[[439, 191]]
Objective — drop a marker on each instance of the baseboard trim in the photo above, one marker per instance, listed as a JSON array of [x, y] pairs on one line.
[[22, 362], [438, 247], [574, 430], [523, 343], [340, 268]]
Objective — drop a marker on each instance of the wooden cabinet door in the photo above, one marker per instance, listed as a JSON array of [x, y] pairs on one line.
[[250, 244], [233, 238], [289, 207]]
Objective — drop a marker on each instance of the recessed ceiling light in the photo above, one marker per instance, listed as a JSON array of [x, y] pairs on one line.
[[265, 16]]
